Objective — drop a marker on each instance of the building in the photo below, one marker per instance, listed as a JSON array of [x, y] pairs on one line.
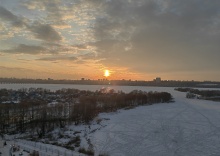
[[157, 80]]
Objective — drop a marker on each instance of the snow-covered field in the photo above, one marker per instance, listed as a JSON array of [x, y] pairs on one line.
[[187, 127]]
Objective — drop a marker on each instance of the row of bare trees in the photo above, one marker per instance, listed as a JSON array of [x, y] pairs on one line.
[[36, 116]]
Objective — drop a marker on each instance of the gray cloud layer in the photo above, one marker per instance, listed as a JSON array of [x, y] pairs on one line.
[[25, 49], [59, 58], [8, 16], [45, 32], [168, 35], [46, 48]]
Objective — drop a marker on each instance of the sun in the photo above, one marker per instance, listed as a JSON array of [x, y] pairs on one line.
[[106, 73]]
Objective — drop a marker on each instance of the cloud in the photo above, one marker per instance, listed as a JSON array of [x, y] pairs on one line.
[[41, 31], [88, 56], [52, 17], [59, 58], [54, 11], [151, 36], [4, 34], [63, 13], [9, 16], [80, 47], [14, 68], [45, 48], [45, 32], [25, 49]]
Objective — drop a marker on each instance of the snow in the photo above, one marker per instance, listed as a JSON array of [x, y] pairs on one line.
[[6, 150], [46, 149], [184, 127]]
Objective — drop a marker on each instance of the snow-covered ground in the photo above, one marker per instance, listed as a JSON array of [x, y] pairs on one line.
[[185, 127], [7, 150]]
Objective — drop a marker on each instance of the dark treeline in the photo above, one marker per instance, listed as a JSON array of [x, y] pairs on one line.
[[40, 111], [204, 94]]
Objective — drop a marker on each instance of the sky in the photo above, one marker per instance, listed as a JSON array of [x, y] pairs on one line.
[[133, 39]]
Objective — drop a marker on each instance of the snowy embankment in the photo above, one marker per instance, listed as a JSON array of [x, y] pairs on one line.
[[45, 149], [27, 147]]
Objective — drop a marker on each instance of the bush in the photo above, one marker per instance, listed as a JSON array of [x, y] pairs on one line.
[[76, 140], [88, 152]]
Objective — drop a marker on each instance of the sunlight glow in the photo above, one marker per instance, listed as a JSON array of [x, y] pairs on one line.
[[106, 74]]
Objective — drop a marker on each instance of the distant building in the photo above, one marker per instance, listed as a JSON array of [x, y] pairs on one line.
[[82, 79], [157, 80]]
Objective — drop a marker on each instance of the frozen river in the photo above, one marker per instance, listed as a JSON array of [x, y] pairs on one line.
[[54, 87]]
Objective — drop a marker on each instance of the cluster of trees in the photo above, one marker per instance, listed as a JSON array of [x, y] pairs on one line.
[[90, 106], [72, 106], [203, 94]]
